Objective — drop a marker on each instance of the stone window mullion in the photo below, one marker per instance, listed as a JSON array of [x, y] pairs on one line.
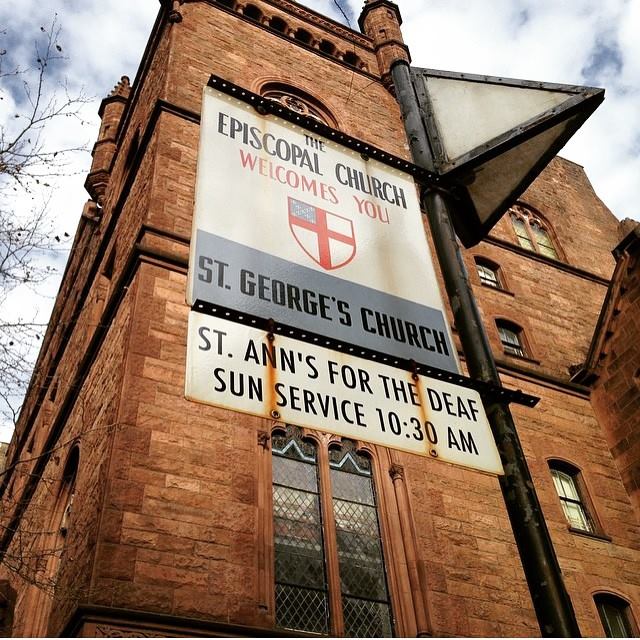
[[331, 547]]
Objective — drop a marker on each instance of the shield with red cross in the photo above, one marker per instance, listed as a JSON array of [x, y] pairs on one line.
[[326, 237]]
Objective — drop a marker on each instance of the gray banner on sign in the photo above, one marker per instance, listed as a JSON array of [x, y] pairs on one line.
[[249, 281]]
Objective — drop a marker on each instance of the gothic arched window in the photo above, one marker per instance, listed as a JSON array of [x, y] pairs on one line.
[[302, 598], [327, 541], [532, 232]]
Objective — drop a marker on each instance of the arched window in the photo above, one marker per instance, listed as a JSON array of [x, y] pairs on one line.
[[252, 12], [298, 101], [327, 540], [615, 615], [351, 58], [532, 232], [572, 495], [366, 608], [278, 24], [512, 338], [327, 47], [302, 35], [489, 273], [302, 598]]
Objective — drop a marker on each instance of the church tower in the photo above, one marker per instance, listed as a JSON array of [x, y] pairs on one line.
[[129, 510]]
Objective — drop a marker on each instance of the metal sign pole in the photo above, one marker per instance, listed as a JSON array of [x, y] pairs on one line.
[[551, 601]]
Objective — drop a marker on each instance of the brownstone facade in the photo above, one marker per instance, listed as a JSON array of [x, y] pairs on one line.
[[130, 511], [613, 365]]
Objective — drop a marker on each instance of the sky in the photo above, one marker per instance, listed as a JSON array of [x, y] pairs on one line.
[[585, 42]]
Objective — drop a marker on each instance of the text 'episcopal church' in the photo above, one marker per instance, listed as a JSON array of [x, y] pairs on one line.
[[133, 508]]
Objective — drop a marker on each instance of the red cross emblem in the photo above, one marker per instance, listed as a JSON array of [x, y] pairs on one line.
[[327, 238]]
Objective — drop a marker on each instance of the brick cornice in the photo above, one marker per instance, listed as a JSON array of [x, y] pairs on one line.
[[562, 266], [315, 18]]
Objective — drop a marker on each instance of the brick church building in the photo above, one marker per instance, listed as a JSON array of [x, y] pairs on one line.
[[128, 510]]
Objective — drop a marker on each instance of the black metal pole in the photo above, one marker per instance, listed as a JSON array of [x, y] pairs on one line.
[[550, 598]]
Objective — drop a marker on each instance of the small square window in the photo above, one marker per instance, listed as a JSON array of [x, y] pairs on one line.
[[512, 340], [488, 276]]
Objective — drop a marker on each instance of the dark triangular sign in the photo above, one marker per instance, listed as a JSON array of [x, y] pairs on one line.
[[491, 137]]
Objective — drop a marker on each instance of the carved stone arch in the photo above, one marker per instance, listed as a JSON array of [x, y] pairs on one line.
[[298, 99], [253, 12], [351, 58]]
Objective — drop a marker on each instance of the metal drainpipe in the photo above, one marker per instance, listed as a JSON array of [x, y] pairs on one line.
[[551, 601]]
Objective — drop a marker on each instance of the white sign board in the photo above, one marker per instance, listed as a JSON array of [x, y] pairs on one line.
[[237, 367], [292, 226]]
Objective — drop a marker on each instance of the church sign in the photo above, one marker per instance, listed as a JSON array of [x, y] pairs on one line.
[[246, 369], [297, 228]]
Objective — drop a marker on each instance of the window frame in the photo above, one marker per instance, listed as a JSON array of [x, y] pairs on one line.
[[584, 501], [347, 448], [603, 599], [336, 626], [520, 348], [53, 547], [530, 219], [481, 262]]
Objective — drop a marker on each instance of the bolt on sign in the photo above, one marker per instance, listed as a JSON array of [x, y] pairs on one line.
[[246, 369], [295, 227]]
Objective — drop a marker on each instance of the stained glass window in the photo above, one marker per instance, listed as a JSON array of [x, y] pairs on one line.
[[300, 577], [303, 578], [520, 227], [365, 600]]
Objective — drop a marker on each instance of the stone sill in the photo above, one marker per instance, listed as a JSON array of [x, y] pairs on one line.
[[590, 534]]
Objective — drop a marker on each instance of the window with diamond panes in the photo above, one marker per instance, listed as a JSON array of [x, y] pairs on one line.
[[300, 576], [346, 593], [365, 601]]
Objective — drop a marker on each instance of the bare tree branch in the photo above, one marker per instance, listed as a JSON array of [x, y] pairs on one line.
[[29, 242]]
